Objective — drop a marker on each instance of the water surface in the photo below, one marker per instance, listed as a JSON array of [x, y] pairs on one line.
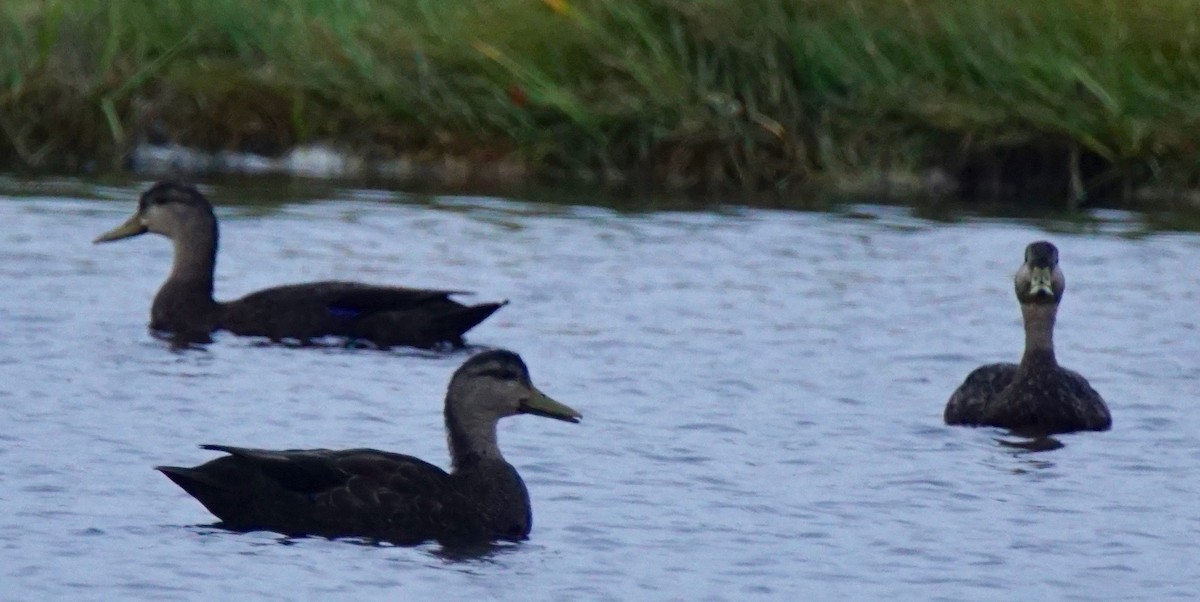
[[762, 395]]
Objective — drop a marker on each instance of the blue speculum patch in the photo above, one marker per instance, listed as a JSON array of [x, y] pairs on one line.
[[344, 312]]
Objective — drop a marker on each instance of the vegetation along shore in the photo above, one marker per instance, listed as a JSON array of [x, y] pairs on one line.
[[1072, 101]]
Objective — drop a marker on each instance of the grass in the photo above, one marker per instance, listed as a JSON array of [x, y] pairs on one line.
[[1054, 99]]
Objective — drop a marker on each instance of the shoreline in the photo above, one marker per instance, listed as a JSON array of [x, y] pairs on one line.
[[450, 172]]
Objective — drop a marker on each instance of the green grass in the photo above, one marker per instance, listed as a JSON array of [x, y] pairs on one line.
[[695, 94]]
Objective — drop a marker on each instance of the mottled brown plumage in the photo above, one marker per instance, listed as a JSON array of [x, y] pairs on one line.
[[383, 495], [184, 307], [1037, 396]]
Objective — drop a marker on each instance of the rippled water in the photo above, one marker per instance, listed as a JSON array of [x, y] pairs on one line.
[[762, 395]]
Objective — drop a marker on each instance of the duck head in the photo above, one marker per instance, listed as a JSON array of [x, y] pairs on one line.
[[1039, 280], [167, 208], [495, 384]]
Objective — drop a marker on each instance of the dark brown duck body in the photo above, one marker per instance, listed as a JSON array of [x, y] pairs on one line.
[[184, 307], [362, 492], [1042, 398], [387, 496], [1037, 396], [385, 316]]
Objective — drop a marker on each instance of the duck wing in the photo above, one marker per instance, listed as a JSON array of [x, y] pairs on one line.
[[1042, 400], [969, 402], [1087, 405], [1059, 400], [359, 492], [385, 315], [433, 323]]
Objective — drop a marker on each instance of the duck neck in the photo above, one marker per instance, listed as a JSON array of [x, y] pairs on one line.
[[1039, 332], [472, 438], [195, 259]]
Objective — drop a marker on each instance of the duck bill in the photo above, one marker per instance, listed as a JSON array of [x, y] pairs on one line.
[[540, 404], [1041, 282], [132, 227]]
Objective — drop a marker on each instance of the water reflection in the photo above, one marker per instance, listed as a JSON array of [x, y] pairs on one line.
[[1036, 444], [763, 388], [477, 553]]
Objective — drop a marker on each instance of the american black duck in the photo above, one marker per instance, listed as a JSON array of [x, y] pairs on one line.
[[185, 310], [387, 496], [1036, 397]]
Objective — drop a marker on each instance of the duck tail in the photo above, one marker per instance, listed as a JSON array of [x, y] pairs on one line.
[[212, 493], [196, 483], [459, 321]]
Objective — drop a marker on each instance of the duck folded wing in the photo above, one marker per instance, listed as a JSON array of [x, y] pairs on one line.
[[386, 316], [320, 470], [981, 387], [347, 299], [389, 496], [425, 326]]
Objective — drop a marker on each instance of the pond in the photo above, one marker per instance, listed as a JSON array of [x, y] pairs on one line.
[[762, 394]]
